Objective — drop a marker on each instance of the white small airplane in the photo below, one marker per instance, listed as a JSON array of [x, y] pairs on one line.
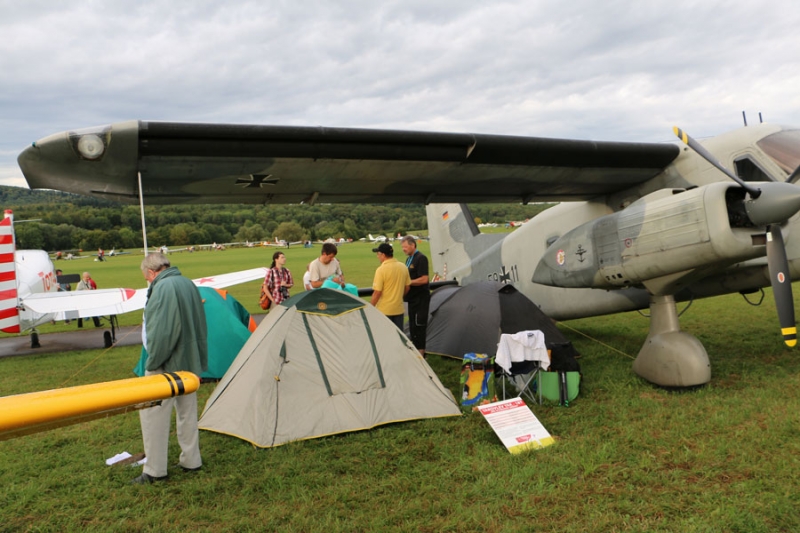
[[379, 238], [29, 297], [281, 244]]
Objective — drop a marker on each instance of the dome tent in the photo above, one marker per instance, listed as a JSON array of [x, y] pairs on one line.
[[323, 362], [229, 326]]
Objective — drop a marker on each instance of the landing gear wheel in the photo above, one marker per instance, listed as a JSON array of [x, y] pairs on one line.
[[107, 339], [671, 357], [35, 340]]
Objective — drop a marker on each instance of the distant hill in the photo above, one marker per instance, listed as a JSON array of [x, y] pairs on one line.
[[64, 221], [11, 197]]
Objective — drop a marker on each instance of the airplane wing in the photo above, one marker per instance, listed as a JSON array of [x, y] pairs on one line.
[[221, 281], [104, 302], [85, 304], [225, 163]]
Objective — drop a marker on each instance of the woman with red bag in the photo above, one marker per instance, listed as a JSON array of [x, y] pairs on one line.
[[277, 282]]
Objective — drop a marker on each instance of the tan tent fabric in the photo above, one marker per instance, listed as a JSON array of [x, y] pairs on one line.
[[321, 363]]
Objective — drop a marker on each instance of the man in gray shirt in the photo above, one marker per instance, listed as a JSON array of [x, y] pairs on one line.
[[325, 266]]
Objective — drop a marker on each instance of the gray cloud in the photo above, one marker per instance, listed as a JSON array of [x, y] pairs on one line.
[[620, 70]]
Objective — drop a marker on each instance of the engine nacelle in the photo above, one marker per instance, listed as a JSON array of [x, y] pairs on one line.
[[662, 234]]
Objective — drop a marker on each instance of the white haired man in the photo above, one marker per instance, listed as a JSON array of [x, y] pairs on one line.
[[175, 336]]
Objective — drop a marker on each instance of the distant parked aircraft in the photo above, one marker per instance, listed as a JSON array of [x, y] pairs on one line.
[[29, 297]]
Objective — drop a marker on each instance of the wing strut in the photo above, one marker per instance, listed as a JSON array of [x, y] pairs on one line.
[[141, 206]]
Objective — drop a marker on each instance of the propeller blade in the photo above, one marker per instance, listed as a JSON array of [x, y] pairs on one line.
[[781, 284], [705, 154]]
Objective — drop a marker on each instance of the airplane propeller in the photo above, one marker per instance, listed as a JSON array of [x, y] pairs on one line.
[[770, 205], [705, 154], [781, 284]]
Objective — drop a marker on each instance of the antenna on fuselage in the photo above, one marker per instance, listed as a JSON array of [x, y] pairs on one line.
[[760, 118]]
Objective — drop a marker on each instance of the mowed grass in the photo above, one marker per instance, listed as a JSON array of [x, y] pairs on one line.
[[629, 456], [357, 260]]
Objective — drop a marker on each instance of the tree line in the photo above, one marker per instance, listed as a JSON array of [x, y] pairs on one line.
[[52, 220]]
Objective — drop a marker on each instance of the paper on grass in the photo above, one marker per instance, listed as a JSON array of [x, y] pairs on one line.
[[516, 425], [117, 458], [121, 457]]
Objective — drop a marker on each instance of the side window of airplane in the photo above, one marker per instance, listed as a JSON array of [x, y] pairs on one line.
[[749, 170], [551, 240]]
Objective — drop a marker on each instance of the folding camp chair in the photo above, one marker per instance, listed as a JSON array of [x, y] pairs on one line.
[[521, 377], [519, 359]]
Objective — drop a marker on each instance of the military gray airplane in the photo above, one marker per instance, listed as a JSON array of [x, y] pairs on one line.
[[639, 224]]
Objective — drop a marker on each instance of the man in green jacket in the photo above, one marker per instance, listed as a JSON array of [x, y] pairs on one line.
[[175, 336]]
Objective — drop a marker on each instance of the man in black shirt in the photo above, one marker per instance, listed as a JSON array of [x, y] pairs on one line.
[[419, 296]]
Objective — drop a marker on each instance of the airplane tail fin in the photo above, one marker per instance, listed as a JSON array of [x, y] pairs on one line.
[[455, 240], [9, 313]]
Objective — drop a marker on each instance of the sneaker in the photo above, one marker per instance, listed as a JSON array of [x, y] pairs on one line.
[[146, 479]]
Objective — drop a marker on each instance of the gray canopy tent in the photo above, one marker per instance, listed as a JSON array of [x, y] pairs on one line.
[[471, 318]]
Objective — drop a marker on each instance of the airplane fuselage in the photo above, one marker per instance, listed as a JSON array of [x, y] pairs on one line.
[[674, 234], [35, 275], [514, 260]]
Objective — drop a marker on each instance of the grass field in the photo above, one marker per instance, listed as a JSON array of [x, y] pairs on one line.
[[628, 457]]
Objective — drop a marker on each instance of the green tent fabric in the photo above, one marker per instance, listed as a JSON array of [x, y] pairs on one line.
[[229, 327], [329, 302], [323, 362]]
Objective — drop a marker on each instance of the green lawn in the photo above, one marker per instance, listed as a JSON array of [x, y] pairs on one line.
[[358, 263], [629, 456]]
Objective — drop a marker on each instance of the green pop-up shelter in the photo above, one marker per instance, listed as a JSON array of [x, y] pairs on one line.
[[229, 326], [323, 362]]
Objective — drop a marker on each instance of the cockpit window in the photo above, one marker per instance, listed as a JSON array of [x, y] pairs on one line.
[[784, 148], [748, 170]]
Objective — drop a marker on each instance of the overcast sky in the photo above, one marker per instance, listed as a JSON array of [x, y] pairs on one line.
[[604, 70]]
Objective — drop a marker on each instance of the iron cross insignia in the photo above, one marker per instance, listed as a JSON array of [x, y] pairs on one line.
[[257, 180]]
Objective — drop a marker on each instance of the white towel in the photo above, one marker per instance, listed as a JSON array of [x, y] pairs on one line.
[[522, 346]]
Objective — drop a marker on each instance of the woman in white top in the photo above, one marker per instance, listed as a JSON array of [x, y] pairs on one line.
[[307, 278]]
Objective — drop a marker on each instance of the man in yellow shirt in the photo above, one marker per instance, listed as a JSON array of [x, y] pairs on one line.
[[391, 283]]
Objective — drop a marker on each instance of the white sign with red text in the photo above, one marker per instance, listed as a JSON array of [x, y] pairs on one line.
[[516, 425]]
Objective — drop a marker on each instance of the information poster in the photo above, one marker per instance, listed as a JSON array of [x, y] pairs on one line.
[[516, 425]]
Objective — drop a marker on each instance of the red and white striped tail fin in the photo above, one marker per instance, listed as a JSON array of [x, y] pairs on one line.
[[9, 313]]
